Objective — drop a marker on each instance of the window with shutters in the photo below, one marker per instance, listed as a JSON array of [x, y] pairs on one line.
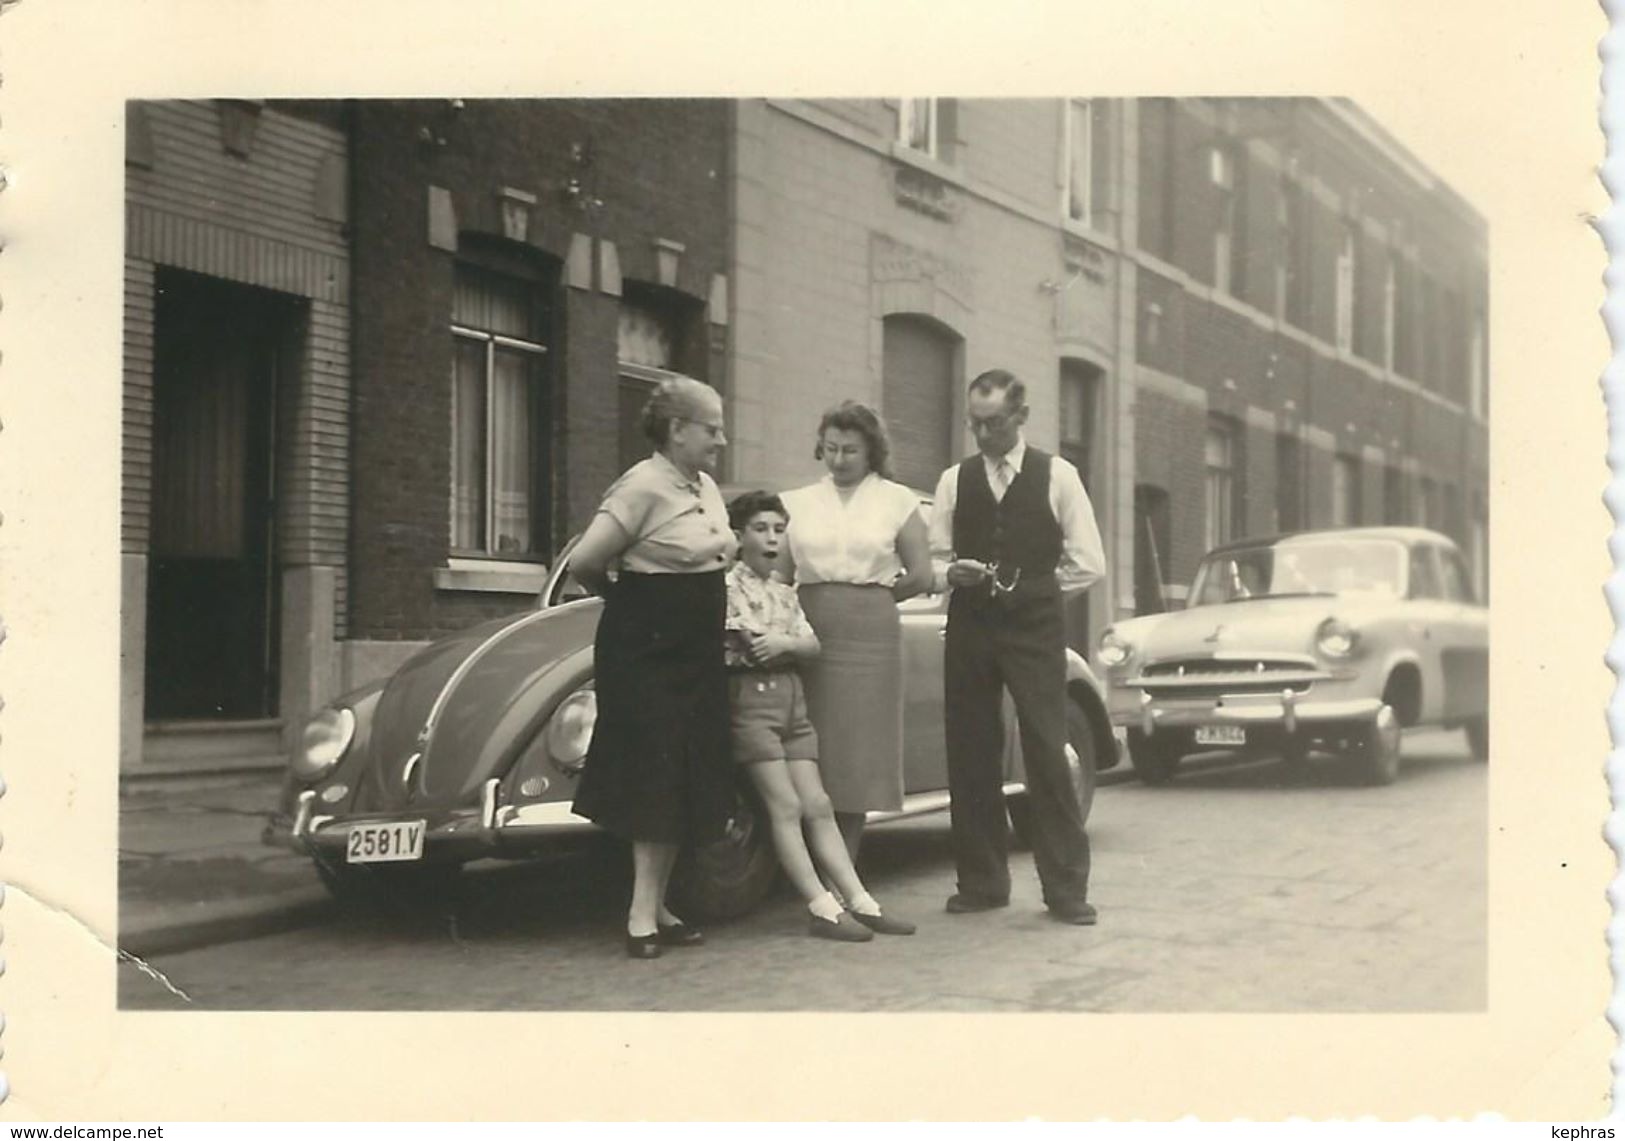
[[499, 471]]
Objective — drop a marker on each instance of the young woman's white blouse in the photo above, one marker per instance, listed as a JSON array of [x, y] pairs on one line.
[[852, 541]]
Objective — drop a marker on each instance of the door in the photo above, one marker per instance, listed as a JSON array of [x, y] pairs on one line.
[[212, 586], [917, 397]]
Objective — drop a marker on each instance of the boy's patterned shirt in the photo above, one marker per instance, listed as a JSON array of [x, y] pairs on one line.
[[758, 605]]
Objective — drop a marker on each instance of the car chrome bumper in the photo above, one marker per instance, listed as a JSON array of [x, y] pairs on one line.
[[461, 833], [1289, 710]]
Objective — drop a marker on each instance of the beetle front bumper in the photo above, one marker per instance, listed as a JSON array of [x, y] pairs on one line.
[[461, 834]]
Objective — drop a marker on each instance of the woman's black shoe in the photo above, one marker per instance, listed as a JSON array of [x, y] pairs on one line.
[[679, 934], [644, 946]]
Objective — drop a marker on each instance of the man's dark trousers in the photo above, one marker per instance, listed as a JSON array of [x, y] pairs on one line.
[[1019, 643]]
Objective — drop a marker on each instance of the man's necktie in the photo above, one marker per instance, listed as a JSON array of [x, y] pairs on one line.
[[1001, 479]]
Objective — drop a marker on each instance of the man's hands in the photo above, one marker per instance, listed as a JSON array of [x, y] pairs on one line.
[[968, 572]]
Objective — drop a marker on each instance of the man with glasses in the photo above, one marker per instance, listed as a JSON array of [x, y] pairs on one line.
[[1012, 530]]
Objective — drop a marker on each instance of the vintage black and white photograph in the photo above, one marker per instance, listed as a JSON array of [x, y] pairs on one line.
[[761, 562], [896, 554]]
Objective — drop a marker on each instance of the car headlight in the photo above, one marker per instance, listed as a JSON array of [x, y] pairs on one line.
[[569, 731], [1114, 650], [1336, 638], [327, 736]]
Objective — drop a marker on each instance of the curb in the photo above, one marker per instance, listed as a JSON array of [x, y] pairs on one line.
[[188, 926]]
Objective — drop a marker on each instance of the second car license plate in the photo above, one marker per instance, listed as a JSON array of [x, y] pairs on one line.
[[1221, 735], [383, 843]]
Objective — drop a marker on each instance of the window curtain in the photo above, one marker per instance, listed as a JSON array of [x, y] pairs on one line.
[[468, 447], [511, 453]]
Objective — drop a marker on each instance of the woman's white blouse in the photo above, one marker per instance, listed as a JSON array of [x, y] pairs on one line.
[[853, 541]]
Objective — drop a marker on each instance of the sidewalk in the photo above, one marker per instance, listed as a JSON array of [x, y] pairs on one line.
[[192, 868]]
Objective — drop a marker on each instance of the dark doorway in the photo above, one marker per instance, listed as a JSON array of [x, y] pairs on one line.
[[1151, 538], [220, 353]]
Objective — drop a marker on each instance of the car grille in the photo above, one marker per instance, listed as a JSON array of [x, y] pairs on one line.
[[1197, 678]]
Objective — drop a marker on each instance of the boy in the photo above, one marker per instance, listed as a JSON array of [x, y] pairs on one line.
[[766, 635]]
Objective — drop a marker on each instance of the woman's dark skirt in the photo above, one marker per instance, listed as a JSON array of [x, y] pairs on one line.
[[659, 767]]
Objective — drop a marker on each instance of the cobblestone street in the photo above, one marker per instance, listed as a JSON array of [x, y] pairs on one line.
[[1235, 888]]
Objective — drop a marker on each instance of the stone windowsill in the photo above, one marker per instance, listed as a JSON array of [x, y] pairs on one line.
[[491, 576]]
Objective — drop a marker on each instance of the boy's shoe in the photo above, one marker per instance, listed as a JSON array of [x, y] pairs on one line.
[[884, 924], [844, 929]]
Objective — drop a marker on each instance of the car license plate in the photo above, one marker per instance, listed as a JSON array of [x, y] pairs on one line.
[[1221, 735], [384, 843]]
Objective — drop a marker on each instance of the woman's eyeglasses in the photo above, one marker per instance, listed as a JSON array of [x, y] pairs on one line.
[[712, 430]]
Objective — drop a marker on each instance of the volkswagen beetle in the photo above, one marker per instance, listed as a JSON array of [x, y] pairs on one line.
[[474, 747], [1334, 640]]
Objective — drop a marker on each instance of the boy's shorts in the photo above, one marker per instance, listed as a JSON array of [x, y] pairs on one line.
[[770, 717]]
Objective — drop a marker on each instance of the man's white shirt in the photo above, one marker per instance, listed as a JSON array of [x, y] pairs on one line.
[[1083, 558]]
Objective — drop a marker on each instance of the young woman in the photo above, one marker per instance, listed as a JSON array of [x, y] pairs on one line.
[[858, 546]]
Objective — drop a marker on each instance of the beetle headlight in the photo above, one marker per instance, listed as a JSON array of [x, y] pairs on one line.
[[569, 730], [1336, 638], [327, 736], [1114, 649]]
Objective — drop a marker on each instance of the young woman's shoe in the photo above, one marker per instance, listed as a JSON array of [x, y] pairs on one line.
[[843, 929], [884, 924]]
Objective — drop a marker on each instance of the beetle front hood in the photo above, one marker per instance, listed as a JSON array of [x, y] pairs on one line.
[[465, 705], [1284, 624]]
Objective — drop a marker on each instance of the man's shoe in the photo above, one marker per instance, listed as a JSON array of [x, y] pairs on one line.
[[1081, 914], [844, 929], [884, 924], [679, 934], [644, 946], [964, 903]]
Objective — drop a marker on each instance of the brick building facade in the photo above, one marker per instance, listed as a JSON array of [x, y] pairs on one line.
[[523, 270], [405, 342], [1237, 316]]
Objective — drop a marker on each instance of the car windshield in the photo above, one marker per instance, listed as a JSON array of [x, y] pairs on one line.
[[1301, 566]]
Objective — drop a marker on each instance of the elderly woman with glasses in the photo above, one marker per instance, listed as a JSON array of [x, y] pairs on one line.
[[659, 772]]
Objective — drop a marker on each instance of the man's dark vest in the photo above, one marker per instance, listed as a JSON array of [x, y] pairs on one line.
[[1019, 530]]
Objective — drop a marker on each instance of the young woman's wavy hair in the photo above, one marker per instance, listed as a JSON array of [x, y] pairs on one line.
[[850, 416]]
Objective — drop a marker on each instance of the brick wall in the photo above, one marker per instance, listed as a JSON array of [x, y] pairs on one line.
[[641, 171]]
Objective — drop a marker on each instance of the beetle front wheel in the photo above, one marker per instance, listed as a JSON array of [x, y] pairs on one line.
[[726, 879]]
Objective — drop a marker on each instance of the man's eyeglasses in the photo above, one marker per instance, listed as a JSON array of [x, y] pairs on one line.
[[990, 424]]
